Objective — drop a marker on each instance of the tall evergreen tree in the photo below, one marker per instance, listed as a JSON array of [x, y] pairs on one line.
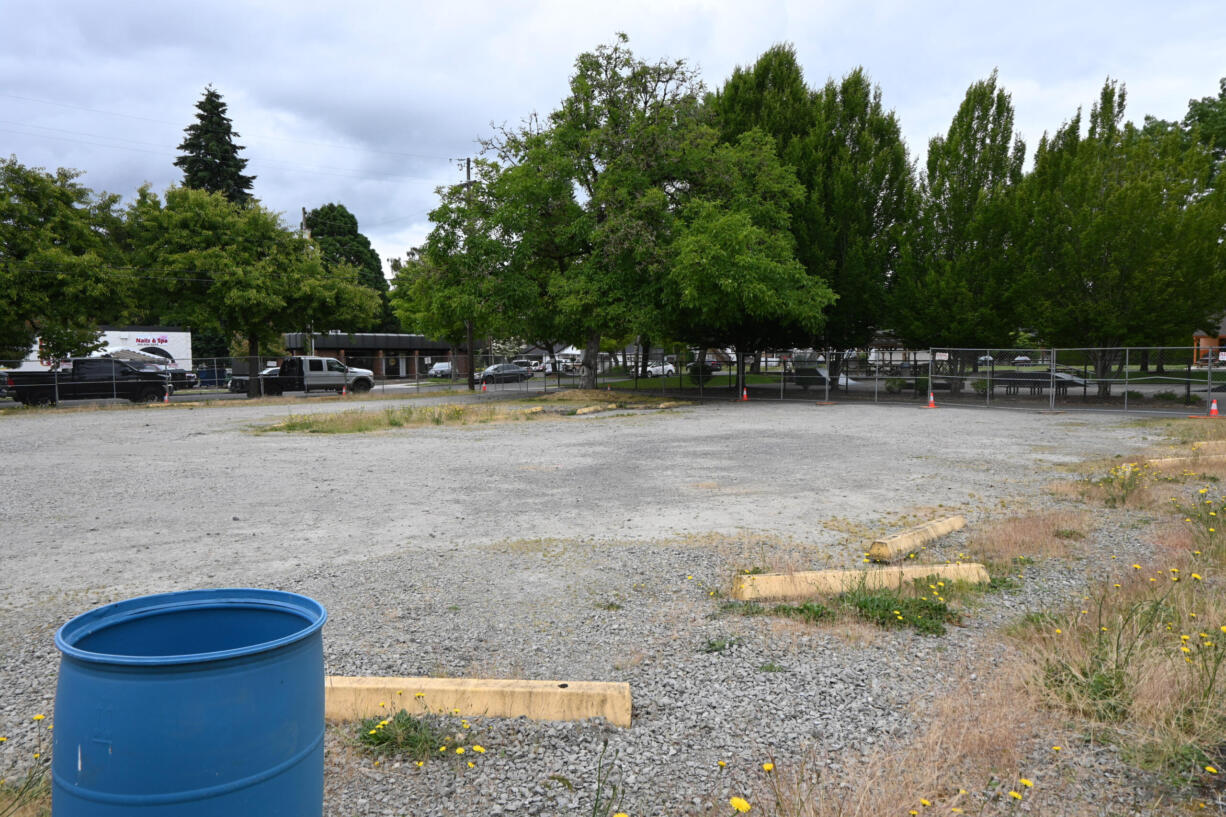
[[210, 159]]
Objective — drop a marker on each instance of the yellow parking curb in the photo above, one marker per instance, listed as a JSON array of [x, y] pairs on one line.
[[908, 541], [354, 698], [833, 582]]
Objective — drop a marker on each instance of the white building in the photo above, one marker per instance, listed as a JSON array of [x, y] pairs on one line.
[[162, 341]]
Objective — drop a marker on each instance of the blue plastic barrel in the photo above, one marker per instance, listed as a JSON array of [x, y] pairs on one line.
[[204, 702]]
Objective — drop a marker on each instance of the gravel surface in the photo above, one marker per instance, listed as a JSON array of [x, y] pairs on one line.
[[590, 548]]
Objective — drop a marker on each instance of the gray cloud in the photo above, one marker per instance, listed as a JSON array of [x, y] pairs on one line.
[[364, 103]]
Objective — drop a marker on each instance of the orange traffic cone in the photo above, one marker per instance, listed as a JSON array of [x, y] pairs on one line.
[[932, 403], [166, 396], [1213, 408], [744, 395], [482, 385], [344, 390]]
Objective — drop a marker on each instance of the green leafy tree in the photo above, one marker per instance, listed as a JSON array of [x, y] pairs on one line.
[[239, 270], [210, 159], [623, 131], [733, 278], [453, 288], [1207, 116], [335, 230], [58, 246], [1125, 232], [957, 287]]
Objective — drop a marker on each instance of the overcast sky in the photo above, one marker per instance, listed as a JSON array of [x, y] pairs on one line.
[[372, 104]]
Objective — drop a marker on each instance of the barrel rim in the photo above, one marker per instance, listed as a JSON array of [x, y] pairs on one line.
[[109, 615]]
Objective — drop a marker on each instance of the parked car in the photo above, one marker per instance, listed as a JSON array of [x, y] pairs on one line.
[[181, 378], [525, 363], [441, 369], [89, 378], [504, 373], [711, 364], [310, 373], [661, 369], [238, 382]]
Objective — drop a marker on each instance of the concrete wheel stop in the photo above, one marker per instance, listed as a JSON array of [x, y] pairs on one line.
[[354, 698]]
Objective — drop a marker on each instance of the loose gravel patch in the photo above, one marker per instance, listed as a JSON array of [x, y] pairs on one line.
[[589, 548]]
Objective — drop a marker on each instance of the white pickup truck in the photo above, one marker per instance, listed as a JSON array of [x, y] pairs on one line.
[[319, 374]]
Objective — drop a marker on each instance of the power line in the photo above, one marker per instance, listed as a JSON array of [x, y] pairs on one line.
[[271, 138], [346, 173]]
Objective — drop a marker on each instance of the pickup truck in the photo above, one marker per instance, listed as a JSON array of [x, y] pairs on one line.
[[318, 374], [89, 378]]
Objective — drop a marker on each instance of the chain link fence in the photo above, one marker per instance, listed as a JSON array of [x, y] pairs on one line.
[[1157, 379]]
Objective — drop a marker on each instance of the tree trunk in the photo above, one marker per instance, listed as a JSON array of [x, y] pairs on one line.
[[255, 384], [591, 361], [645, 350]]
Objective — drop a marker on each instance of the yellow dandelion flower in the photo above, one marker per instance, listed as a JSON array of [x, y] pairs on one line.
[[36, 756], [1059, 631], [1027, 783], [419, 695], [924, 802], [1056, 748], [382, 703], [459, 750], [740, 804], [722, 764], [472, 765], [478, 749], [3, 739], [913, 812], [39, 717], [1015, 795], [956, 810], [961, 791], [400, 692], [621, 814], [768, 767], [1211, 770], [1196, 576], [420, 763], [373, 732]]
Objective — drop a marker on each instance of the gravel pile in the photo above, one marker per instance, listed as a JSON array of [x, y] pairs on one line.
[[581, 549]]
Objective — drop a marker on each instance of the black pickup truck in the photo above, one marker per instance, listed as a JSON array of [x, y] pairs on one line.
[[90, 378]]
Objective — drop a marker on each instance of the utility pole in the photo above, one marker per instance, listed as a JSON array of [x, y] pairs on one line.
[[468, 324]]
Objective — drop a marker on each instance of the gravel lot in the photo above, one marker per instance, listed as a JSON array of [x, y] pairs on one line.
[[497, 551]]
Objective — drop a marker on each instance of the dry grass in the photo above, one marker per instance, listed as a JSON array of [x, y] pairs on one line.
[[359, 421], [590, 396], [218, 401], [1141, 655], [968, 753], [1047, 535]]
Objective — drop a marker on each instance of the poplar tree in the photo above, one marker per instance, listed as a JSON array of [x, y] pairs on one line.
[[957, 286], [210, 159]]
